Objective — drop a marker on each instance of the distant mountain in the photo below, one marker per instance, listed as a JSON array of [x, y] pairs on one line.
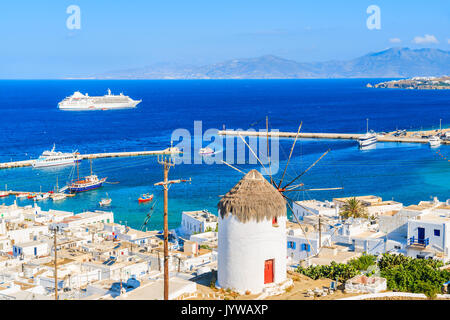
[[390, 63]]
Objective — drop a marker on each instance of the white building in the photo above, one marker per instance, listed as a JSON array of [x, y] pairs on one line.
[[252, 236], [86, 218], [302, 243], [314, 207], [374, 204], [429, 234], [198, 221], [31, 249]]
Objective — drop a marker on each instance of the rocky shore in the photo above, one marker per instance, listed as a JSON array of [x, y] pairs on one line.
[[426, 83]]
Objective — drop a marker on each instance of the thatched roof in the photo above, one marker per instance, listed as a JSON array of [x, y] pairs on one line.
[[253, 197]]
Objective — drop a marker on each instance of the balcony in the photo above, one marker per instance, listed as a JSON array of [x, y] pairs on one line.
[[416, 242]]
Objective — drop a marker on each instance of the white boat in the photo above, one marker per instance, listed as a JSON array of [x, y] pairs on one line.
[[21, 195], [4, 194], [105, 201], [53, 158], [79, 102], [368, 139], [42, 196], [58, 196], [206, 151], [434, 141]]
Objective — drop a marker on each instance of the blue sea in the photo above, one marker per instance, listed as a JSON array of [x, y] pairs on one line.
[[31, 123]]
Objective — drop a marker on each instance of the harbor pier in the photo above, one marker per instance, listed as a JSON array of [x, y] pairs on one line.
[[28, 163], [319, 135]]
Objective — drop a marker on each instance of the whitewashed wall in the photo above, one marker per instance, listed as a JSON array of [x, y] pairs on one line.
[[243, 249]]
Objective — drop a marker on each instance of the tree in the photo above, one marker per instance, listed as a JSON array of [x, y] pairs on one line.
[[353, 208]]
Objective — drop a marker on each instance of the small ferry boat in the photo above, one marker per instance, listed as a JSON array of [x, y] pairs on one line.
[[434, 141], [105, 201], [146, 198], [206, 151], [53, 158], [31, 195], [90, 182]]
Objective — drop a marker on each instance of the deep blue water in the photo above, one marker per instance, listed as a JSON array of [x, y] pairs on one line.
[[30, 123]]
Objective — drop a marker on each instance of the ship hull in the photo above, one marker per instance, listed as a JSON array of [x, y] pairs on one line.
[[85, 188], [39, 164], [108, 106]]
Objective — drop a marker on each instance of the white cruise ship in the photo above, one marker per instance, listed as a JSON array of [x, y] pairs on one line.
[[53, 158], [79, 101]]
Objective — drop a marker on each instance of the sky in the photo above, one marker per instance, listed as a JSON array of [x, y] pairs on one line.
[[113, 35]]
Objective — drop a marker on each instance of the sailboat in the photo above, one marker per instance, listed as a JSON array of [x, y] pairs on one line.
[[86, 183]]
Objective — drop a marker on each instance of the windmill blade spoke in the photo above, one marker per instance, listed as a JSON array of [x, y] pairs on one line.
[[268, 151], [298, 222], [224, 162], [290, 155], [251, 150], [317, 189], [309, 168]]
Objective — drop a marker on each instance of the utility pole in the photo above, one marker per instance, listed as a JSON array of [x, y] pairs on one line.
[[320, 234], [166, 163], [56, 264]]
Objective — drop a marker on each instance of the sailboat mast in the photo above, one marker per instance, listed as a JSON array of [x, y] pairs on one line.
[[91, 166], [367, 125]]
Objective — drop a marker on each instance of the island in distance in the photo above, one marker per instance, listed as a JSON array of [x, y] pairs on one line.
[[430, 83], [388, 64]]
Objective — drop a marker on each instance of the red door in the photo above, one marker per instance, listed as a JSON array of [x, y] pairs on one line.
[[268, 271]]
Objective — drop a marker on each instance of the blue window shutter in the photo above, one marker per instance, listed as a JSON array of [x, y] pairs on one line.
[[293, 245], [308, 247], [288, 244]]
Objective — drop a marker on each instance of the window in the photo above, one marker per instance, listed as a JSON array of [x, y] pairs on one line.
[[437, 232], [291, 245], [306, 247]]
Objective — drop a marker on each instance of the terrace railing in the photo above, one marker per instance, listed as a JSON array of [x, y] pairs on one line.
[[413, 241]]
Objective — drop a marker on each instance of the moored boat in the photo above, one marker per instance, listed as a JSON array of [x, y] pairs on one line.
[[42, 196], [52, 158], [434, 141], [21, 195], [87, 183], [58, 196], [31, 195], [368, 139], [145, 198], [4, 194]]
